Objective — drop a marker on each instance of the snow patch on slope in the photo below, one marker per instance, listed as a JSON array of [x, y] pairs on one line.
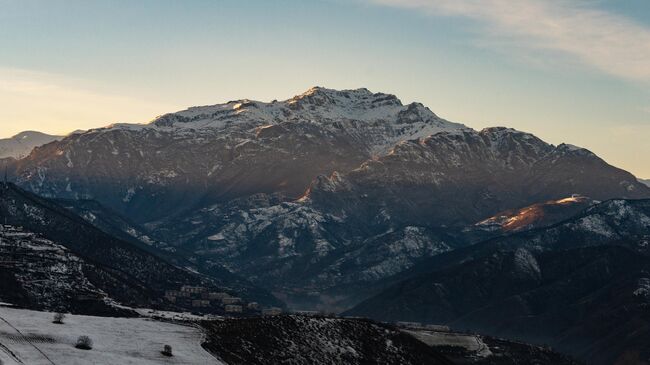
[[375, 119], [126, 341]]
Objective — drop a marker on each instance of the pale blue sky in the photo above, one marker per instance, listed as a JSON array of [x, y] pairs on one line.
[[575, 71]]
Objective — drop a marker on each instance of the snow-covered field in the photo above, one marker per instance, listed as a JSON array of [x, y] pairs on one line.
[[30, 338]]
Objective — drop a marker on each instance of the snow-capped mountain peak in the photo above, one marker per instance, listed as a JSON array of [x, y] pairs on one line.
[[374, 120]]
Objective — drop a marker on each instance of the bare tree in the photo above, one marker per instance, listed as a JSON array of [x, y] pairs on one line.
[[84, 343], [58, 318]]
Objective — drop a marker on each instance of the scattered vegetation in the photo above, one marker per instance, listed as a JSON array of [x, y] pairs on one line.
[[167, 350], [84, 343], [58, 318]]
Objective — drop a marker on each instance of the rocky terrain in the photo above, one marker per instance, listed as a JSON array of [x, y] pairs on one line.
[[392, 212], [579, 286], [334, 200], [536, 215], [316, 196], [122, 271], [323, 340], [216, 153], [38, 273]]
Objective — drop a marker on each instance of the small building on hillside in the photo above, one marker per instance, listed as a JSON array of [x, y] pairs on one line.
[[231, 300], [437, 328], [172, 293], [409, 324], [193, 289], [273, 311], [234, 308], [200, 303], [217, 296]]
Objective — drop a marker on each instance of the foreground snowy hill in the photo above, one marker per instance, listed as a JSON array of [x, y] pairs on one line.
[[30, 338], [23, 143]]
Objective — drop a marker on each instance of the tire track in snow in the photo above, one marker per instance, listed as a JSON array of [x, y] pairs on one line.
[[11, 354], [26, 340]]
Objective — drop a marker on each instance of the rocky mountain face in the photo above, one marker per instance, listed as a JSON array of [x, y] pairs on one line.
[[313, 340], [40, 274], [588, 302], [472, 175], [325, 340], [645, 181], [317, 196], [105, 267], [621, 222], [217, 153], [351, 229], [579, 286], [534, 216], [23, 143], [109, 221]]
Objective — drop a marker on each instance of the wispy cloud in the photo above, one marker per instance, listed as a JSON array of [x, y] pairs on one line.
[[607, 42]]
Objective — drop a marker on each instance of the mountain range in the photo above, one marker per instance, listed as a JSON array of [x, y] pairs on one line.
[[580, 286], [315, 195], [353, 201]]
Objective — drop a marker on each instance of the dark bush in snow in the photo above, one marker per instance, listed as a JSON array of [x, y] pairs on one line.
[[167, 350], [58, 318], [84, 343]]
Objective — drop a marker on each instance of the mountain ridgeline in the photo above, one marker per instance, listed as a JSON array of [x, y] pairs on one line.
[[350, 200], [318, 194]]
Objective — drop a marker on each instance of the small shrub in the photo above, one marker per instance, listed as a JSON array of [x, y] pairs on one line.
[[84, 343], [58, 318], [167, 350]]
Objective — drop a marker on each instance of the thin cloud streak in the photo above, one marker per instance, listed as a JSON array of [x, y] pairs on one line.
[[607, 42]]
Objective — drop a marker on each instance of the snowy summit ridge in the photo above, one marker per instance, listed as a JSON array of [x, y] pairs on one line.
[[380, 119]]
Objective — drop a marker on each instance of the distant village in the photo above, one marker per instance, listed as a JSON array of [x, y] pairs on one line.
[[201, 299]]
